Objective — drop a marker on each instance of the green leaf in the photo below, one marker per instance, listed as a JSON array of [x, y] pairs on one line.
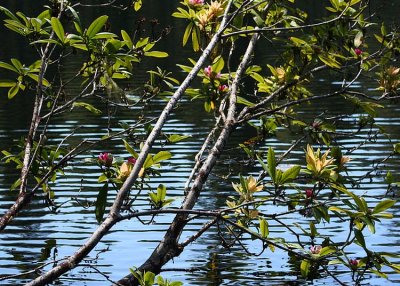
[[8, 66], [87, 106], [161, 156], [187, 33], [127, 39], [13, 91], [15, 185], [137, 5], [149, 278], [103, 178], [173, 138], [271, 163], [370, 224], [383, 205], [196, 38], [241, 100], [161, 192], [389, 178], [327, 250], [264, 231], [156, 54], [101, 202], [396, 148], [35, 77], [96, 26], [218, 64], [360, 237], [305, 268], [291, 174], [58, 28], [148, 162], [8, 13], [7, 83], [130, 149], [313, 230]]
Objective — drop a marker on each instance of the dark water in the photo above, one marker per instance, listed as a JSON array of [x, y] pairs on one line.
[[38, 236]]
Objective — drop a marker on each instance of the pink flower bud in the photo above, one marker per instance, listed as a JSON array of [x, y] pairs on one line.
[[208, 71], [358, 51], [196, 2], [105, 159], [131, 160], [353, 263], [315, 249], [309, 193], [223, 88]]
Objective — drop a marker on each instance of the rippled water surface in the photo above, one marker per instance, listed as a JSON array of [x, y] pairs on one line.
[[38, 236]]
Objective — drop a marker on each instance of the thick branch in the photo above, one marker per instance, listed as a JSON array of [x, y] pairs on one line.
[[169, 247], [113, 216]]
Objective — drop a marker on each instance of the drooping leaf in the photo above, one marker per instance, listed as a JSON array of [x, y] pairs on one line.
[[13, 91], [271, 163], [130, 149], [173, 138], [264, 230], [101, 203], [305, 268], [360, 237], [396, 148], [87, 106], [35, 77]]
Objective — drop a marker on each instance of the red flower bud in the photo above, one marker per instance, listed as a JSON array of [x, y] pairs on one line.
[[353, 263], [223, 88], [105, 159], [132, 160], [309, 193], [358, 51]]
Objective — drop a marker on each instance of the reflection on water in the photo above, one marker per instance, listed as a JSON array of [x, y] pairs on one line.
[[39, 235]]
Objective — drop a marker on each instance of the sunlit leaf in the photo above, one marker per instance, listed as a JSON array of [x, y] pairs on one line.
[[156, 54], [383, 205], [161, 156], [173, 138], [305, 268], [96, 26], [87, 106], [264, 231], [58, 28]]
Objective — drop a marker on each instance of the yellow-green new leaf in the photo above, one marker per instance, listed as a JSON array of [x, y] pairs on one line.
[[87, 106], [161, 156], [156, 54], [383, 205], [264, 230], [305, 268]]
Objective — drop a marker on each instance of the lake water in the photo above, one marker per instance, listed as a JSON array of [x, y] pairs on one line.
[[38, 236]]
